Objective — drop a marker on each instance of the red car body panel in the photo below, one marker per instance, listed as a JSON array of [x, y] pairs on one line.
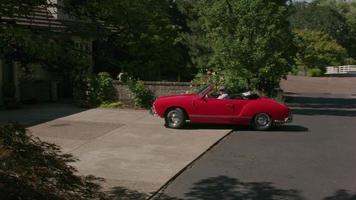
[[202, 109]]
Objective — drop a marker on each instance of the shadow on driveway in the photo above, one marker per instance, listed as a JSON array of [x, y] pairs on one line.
[[279, 128], [216, 188], [227, 188], [323, 106], [321, 102], [331, 112], [30, 115]]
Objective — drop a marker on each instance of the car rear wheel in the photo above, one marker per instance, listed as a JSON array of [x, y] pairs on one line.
[[175, 118], [262, 122]]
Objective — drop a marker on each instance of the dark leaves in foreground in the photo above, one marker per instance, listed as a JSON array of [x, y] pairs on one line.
[[31, 169]]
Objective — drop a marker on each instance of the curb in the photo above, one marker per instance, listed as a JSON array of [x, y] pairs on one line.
[[160, 191]]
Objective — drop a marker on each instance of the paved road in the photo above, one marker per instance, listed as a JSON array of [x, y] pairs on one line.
[[313, 158]]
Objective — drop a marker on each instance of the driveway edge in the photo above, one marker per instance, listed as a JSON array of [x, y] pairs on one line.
[[160, 191]]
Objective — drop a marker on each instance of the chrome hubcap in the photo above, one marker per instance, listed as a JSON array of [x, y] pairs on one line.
[[174, 118], [262, 120]]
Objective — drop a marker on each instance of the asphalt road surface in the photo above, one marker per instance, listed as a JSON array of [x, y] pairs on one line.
[[312, 158]]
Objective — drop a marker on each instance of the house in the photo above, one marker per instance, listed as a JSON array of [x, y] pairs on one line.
[[44, 84]]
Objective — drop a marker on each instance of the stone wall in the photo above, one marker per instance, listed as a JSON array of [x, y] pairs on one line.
[[320, 86], [158, 88]]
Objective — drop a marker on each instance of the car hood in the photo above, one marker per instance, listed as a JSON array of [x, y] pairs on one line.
[[175, 96], [273, 100]]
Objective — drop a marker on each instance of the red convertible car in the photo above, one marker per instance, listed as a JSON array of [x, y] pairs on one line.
[[258, 112]]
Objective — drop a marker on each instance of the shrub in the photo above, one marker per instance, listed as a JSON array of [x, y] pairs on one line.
[[31, 169], [111, 104], [93, 90], [142, 96], [83, 92], [314, 72], [232, 82], [104, 87]]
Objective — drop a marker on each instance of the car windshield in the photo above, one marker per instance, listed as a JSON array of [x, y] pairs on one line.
[[203, 90]]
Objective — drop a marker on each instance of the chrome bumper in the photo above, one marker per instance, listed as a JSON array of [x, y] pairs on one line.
[[288, 119], [153, 112]]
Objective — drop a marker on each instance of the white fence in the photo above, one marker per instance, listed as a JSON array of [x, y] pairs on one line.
[[346, 69]]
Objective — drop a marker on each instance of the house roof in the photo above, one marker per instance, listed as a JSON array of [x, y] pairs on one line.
[[38, 17], [41, 18]]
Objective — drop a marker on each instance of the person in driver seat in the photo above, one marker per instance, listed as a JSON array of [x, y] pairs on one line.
[[222, 93]]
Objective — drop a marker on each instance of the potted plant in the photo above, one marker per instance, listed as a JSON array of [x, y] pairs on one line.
[[9, 92]]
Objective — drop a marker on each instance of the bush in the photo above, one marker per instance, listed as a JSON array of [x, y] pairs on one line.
[[315, 72], [111, 104], [31, 169], [83, 92], [92, 91], [232, 82], [142, 96], [104, 88]]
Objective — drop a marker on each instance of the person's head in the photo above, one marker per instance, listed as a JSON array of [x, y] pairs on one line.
[[221, 89]]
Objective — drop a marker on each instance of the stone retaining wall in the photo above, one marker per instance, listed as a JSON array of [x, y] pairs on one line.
[[158, 88], [338, 86]]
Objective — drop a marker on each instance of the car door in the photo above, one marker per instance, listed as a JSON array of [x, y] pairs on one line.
[[212, 110]]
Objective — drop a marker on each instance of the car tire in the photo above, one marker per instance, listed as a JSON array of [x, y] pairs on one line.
[[262, 122], [175, 118]]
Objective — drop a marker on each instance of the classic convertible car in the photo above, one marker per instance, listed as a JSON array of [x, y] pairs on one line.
[[248, 109]]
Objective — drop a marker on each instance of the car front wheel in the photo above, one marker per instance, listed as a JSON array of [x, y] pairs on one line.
[[175, 118], [262, 122]]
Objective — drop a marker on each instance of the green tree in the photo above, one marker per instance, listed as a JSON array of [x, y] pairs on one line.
[[318, 50], [144, 39], [251, 42], [348, 10], [327, 19], [193, 35]]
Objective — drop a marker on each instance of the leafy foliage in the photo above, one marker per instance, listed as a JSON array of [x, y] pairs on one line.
[[317, 50], [323, 19], [145, 39], [32, 169], [348, 10], [333, 17], [142, 96], [249, 41], [111, 104], [315, 72], [93, 90]]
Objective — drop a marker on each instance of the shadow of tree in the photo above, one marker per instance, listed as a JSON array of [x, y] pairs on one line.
[[226, 188], [121, 193], [322, 106], [223, 187], [318, 102], [333, 112], [31, 115], [342, 195]]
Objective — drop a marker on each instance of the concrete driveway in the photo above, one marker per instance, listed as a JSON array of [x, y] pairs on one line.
[[129, 148]]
